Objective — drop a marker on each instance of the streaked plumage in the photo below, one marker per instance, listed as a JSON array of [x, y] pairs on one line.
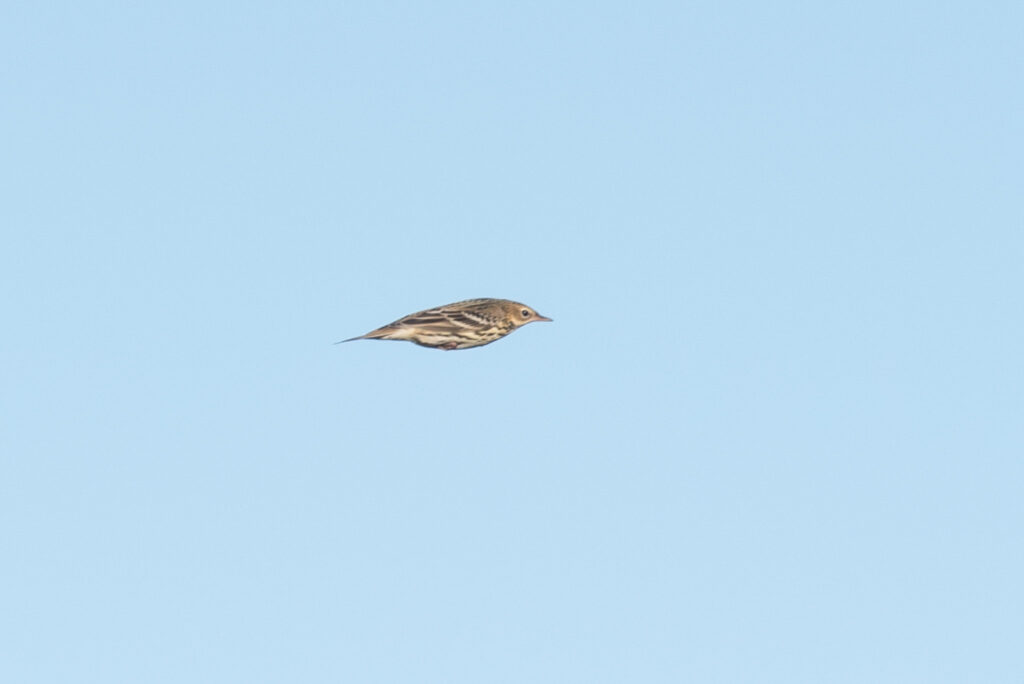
[[470, 323]]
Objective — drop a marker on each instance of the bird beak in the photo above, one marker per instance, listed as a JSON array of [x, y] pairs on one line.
[[538, 317]]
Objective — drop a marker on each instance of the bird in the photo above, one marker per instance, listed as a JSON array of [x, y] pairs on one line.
[[461, 325]]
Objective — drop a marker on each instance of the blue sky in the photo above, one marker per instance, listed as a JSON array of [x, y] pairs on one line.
[[773, 435]]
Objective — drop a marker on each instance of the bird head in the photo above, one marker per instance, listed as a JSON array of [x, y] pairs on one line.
[[520, 314]]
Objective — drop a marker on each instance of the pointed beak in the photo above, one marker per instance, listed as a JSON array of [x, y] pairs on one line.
[[538, 317]]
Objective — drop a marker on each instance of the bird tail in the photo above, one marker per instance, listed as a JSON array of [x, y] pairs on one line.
[[378, 334]]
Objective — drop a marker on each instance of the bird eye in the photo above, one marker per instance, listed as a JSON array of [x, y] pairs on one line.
[[526, 313]]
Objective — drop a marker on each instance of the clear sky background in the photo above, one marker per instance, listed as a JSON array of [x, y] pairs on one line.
[[774, 433]]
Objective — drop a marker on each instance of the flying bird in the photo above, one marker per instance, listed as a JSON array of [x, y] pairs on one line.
[[470, 323]]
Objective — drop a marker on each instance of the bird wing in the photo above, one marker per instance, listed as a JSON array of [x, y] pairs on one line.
[[444, 318], [472, 314]]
